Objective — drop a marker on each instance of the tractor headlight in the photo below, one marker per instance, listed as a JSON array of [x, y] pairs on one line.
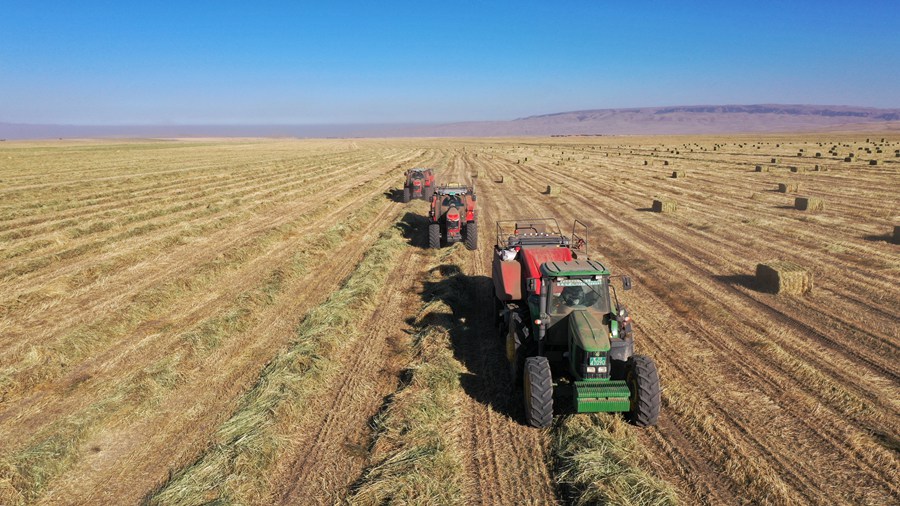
[[590, 370]]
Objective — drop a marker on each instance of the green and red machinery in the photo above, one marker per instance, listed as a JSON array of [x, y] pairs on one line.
[[452, 217], [419, 184], [567, 336]]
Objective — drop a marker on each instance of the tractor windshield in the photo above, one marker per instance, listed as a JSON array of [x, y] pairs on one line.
[[567, 295]]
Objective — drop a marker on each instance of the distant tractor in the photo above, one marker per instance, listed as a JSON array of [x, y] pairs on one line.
[[567, 337], [419, 184], [452, 217]]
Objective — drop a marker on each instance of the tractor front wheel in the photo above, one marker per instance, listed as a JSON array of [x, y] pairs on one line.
[[538, 392], [406, 194], [434, 235], [643, 381], [471, 236]]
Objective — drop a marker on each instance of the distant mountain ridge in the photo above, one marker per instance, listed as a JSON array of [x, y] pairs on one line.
[[791, 110], [670, 120]]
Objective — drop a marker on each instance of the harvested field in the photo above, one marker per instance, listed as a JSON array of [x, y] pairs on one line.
[[259, 321]]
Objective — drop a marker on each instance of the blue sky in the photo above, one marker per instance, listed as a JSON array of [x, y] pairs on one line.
[[191, 62]]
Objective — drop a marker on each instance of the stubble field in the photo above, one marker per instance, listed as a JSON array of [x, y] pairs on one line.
[[259, 322]]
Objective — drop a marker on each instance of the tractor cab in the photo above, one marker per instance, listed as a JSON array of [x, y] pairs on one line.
[[579, 317]]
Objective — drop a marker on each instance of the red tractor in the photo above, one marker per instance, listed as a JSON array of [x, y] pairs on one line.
[[419, 184], [452, 216]]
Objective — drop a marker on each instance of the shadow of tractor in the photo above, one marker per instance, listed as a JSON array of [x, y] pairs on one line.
[[414, 228], [475, 341]]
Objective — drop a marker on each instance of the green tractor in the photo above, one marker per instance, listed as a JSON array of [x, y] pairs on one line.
[[567, 337]]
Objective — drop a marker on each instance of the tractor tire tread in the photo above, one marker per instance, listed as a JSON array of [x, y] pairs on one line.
[[472, 236], [539, 408], [434, 236], [647, 402]]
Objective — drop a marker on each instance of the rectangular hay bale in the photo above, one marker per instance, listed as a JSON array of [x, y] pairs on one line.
[[783, 277], [788, 187], [553, 190], [663, 206], [809, 204], [678, 174]]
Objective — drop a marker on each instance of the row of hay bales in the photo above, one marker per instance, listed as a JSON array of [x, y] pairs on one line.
[[793, 168]]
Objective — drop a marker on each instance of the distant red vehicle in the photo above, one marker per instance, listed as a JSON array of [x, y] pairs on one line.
[[452, 216], [419, 184]]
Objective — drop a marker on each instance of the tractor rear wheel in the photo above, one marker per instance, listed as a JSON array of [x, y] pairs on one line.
[[538, 384], [471, 236], [643, 381], [406, 194], [434, 235]]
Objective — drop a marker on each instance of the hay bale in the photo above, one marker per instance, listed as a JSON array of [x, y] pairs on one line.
[[818, 155], [645, 162], [809, 204], [794, 169], [663, 206], [788, 187], [896, 237], [774, 160], [665, 162], [553, 190], [848, 159], [783, 277], [500, 180], [873, 162], [678, 174], [760, 168]]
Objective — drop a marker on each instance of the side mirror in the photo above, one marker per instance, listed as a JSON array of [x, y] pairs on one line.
[[626, 283]]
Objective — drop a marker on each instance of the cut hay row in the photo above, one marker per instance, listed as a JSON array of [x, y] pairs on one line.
[[49, 358], [597, 459], [246, 446], [414, 458], [55, 448], [130, 223]]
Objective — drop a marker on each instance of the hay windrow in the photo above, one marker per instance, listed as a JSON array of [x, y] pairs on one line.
[[414, 459], [598, 460], [235, 468]]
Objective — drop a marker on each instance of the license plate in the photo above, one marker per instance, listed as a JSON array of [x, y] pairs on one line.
[[597, 361]]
